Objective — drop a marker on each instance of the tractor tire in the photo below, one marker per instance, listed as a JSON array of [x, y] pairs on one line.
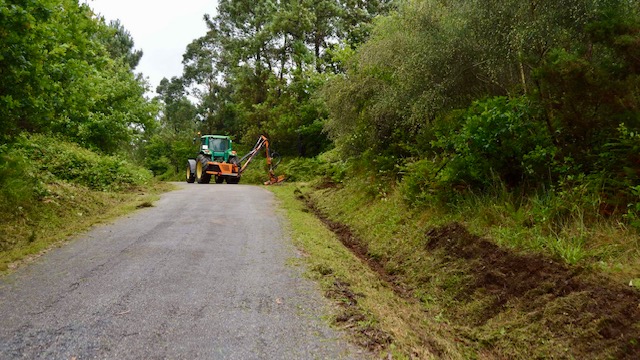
[[219, 179], [191, 175], [202, 162], [232, 180]]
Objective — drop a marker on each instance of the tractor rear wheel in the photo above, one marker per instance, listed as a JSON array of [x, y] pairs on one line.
[[202, 162]]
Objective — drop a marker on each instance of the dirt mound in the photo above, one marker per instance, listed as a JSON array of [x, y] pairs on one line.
[[594, 314]]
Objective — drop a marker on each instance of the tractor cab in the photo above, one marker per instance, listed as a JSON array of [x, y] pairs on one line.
[[216, 147]]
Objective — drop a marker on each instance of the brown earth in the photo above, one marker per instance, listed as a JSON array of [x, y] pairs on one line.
[[595, 316], [353, 319], [605, 313]]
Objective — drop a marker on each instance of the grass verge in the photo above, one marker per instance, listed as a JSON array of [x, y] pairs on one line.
[[67, 210], [51, 188], [368, 307], [440, 291]]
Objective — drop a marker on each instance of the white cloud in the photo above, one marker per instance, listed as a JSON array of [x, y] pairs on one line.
[[161, 28]]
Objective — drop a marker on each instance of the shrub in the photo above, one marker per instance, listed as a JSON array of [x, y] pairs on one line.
[[419, 185], [18, 186], [500, 139], [51, 158]]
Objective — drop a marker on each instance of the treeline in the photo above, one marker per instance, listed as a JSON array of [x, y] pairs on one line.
[[72, 111], [463, 96], [258, 70], [530, 90], [64, 71], [443, 97]]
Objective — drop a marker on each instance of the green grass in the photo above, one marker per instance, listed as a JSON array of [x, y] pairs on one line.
[[51, 189], [329, 262], [557, 227]]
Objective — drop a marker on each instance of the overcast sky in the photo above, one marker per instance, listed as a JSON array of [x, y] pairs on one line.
[[161, 28]]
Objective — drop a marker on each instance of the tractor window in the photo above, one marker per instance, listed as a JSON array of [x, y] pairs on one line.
[[219, 145]]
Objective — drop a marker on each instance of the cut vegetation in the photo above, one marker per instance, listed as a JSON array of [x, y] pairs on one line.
[[436, 290]]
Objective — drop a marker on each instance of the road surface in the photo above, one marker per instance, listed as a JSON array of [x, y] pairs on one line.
[[205, 273]]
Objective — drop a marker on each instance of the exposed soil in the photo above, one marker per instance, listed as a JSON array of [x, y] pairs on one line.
[[367, 335], [605, 314], [595, 316]]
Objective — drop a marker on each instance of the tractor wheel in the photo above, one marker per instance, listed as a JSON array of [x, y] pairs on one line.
[[219, 179], [202, 162], [191, 176], [232, 180]]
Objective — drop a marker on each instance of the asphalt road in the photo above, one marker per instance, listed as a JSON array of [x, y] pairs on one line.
[[205, 273]]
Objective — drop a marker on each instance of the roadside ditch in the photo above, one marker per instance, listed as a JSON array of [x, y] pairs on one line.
[[507, 304]]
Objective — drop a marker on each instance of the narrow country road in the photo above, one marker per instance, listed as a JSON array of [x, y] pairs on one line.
[[205, 273]]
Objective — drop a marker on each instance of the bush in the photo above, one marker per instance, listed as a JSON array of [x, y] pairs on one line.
[[500, 139], [18, 187], [50, 159]]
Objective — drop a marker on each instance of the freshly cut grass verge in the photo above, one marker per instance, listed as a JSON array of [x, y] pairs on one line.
[[455, 294], [367, 305], [66, 210]]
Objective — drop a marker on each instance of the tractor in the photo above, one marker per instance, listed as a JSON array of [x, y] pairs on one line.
[[218, 159]]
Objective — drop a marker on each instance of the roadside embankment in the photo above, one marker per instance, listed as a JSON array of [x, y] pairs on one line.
[[434, 289], [51, 189]]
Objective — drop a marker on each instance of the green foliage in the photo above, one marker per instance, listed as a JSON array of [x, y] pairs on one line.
[[119, 44], [431, 57], [19, 188], [56, 75], [499, 139], [327, 167], [167, 153], [309, 169], [51, 159], [258, 68], [419, 185], [561, 110]]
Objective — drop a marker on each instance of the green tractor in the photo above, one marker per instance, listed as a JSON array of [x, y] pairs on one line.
[[217, 159]]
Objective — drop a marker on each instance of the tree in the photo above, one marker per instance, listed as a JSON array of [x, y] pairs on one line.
[[119, 44], [259, 66], [68, 82]]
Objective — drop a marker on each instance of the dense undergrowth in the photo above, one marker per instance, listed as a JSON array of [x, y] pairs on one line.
[[50, 188]]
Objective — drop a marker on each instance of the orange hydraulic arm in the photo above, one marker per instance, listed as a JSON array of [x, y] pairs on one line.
[[262, 142]]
